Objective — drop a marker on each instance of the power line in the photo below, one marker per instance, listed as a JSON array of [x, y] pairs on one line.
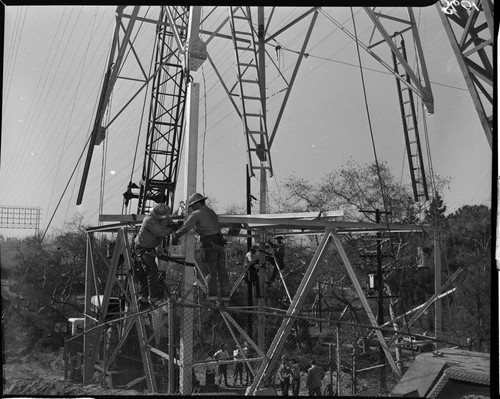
[[39, 246], [366, 68]]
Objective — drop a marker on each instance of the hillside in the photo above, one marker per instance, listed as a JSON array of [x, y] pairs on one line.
[[31, 367]]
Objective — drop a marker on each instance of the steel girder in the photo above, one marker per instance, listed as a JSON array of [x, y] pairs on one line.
[[471, 31], [166, 106], [166, 115]]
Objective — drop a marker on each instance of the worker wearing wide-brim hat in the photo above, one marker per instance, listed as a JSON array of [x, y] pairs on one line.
[[155, 226], [205, 222]]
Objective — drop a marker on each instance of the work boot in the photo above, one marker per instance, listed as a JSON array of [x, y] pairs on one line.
[[155, 301], [143, 303]]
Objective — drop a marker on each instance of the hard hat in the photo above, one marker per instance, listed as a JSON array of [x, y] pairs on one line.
[[194, 198], [160, 211]]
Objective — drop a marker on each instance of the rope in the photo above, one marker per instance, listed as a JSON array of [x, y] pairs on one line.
[[204, 128], [368, 115], [103, 171]]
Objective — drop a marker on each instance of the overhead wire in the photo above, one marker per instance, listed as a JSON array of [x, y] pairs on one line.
[[12, 55], [60, 121], [72, 104], [426, 131], [41, 104], [91, 26], [104, 164], [204, 129], [95, 106], [101, 187], [367, 109], [39, 245], [12, 168]]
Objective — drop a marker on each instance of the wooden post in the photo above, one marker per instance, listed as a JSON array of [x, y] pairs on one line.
[[380, 301], [353, 369], [187, 313], [338, 360], [171, 347], [319, 306], [437, 288], [250, 284], [263, 181]]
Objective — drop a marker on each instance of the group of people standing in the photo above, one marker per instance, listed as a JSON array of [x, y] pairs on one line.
[[289, 376], [223, 368]]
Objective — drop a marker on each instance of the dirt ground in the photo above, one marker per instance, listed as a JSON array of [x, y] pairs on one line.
[[40, 372], [30, 366]]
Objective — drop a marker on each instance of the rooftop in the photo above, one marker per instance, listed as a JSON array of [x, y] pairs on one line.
[[429, 373]]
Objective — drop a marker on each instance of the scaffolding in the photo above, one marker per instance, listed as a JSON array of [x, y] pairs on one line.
[[151, 337]]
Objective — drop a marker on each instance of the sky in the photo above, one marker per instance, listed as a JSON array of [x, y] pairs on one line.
[[54, 62]]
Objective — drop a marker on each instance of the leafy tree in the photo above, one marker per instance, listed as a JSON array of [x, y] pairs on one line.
[[435, 214], [52, 272], [468, 245], [355, 188]]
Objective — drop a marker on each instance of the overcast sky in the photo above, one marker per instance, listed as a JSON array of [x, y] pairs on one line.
[[54, 61]]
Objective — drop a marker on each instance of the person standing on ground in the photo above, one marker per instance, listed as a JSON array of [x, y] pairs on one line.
[[210, 371], [295, 373], [238, 366], [284, 375], [155, 226], [248, 372], [205, 222], [222, 354], [315, 376], [112, 340]]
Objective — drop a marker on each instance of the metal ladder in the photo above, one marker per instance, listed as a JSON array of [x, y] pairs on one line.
[[251, 94], [410, 129]]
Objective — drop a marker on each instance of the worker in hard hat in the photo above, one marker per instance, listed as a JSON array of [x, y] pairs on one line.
[[155, 226], [279, 255], [250, 264], [205, 222]]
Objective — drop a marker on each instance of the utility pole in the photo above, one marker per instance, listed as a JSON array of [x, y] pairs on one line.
[[187, 315], [380, 299], [437, 288], [249, 246], [380, 294], [263, 180], [319, 305]]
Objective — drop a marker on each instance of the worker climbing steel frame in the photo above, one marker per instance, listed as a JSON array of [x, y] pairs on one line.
[[178, 50]]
